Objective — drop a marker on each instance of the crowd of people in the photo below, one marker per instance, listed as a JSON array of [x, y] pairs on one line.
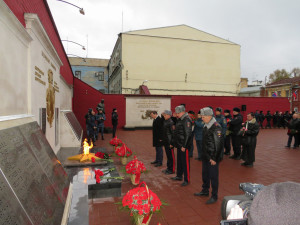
[[214, 134], [95, 122]]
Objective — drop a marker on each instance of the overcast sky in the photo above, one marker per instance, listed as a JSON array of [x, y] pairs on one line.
[[268, 31]]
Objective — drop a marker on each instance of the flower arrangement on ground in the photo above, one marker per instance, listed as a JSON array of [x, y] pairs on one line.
[[100, 173], [124, 152], [135, 168], [115, 142], [142, 203]]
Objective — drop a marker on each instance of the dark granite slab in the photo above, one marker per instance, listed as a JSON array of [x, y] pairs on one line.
[[11, 211], [34, 174]]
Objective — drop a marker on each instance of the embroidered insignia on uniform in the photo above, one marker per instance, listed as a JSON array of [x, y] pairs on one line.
[[219, 133], [188, 124]]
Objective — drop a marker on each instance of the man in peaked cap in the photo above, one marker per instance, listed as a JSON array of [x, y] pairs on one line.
[[212, 154], [182, 140], [235, 126], [168, 132]]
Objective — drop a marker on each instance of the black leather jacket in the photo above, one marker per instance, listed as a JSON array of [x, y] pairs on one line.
[[183, 132], [168, 132], [213, 143], [236, 124]]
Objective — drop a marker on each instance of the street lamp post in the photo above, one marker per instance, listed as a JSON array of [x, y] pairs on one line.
[[80, 9], [77, 56], [83, 48]]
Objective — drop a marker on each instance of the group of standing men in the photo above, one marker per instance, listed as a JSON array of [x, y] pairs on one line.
[[212, 134], [95, 122]]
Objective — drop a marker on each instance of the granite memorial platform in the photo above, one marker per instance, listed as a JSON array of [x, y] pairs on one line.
[[33, 184]]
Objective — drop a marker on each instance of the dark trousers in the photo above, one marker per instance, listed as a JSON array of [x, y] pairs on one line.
[[114, 129], [91, 135], [170, 158], [159, 154], [236, 145], [227, 145], [268, 124], [199, 148], [261, 124], [296, 144], [210, 176], [191, 147], [100, 129], [183, 164]]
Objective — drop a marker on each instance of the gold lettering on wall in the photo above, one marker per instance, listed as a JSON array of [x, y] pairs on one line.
[[40, 81]]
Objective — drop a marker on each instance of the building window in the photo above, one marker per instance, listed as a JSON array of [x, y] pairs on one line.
[[78, 74], [100, 75], [287, 93], [279, 93]]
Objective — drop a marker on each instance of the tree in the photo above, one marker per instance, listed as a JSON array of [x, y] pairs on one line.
[[279, 75], [295, 72]]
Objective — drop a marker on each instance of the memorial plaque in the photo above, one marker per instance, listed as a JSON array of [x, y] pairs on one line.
[[74, 124], [34, 173], [40, 148], [11, 212], [43, 119]]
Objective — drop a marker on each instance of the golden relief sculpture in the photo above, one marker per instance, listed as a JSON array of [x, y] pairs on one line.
[[50, 98]]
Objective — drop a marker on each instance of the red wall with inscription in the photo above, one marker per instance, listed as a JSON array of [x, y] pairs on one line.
[[41, 8], [86, 97]]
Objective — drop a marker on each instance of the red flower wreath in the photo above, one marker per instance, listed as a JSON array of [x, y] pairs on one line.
[[135, 167], [141, 200], [123, 151], [115, 142]]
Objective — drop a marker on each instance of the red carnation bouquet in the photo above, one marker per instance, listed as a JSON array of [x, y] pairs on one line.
[[115, 142], [142, 203], [193, 118], [102, 155], [135, 168], [124, 152]]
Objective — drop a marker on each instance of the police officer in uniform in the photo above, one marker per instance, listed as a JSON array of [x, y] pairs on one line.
[[235, 126], [221, 120], [100, 118], [90, 121], [182, 139], [168, 131], [269, 118], [212, 146], [227, 145]]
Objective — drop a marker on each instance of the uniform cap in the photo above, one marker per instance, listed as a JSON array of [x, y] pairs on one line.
[[226, 111], [206, 111], [236, 109], [167, 112], [179, 109], [219, 109]]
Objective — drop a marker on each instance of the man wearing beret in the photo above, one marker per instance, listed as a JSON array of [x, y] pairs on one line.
[[182, 140], [235, 127], [168, 130], [212, 154]]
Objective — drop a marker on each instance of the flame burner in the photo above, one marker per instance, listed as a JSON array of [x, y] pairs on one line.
[[86, 155]]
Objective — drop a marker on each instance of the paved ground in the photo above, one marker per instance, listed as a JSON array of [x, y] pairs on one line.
[[273, 163]]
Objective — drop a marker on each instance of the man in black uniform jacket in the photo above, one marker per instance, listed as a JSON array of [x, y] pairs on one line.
[[157, 131], [182, 139], [212, 147], [168, 130], [269, 118], [250, 130], [235, 126]]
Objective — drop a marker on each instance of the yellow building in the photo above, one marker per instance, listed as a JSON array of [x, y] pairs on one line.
[[176, 60]]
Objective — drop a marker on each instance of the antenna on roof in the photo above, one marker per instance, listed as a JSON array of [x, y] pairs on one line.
[[122, 21]]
